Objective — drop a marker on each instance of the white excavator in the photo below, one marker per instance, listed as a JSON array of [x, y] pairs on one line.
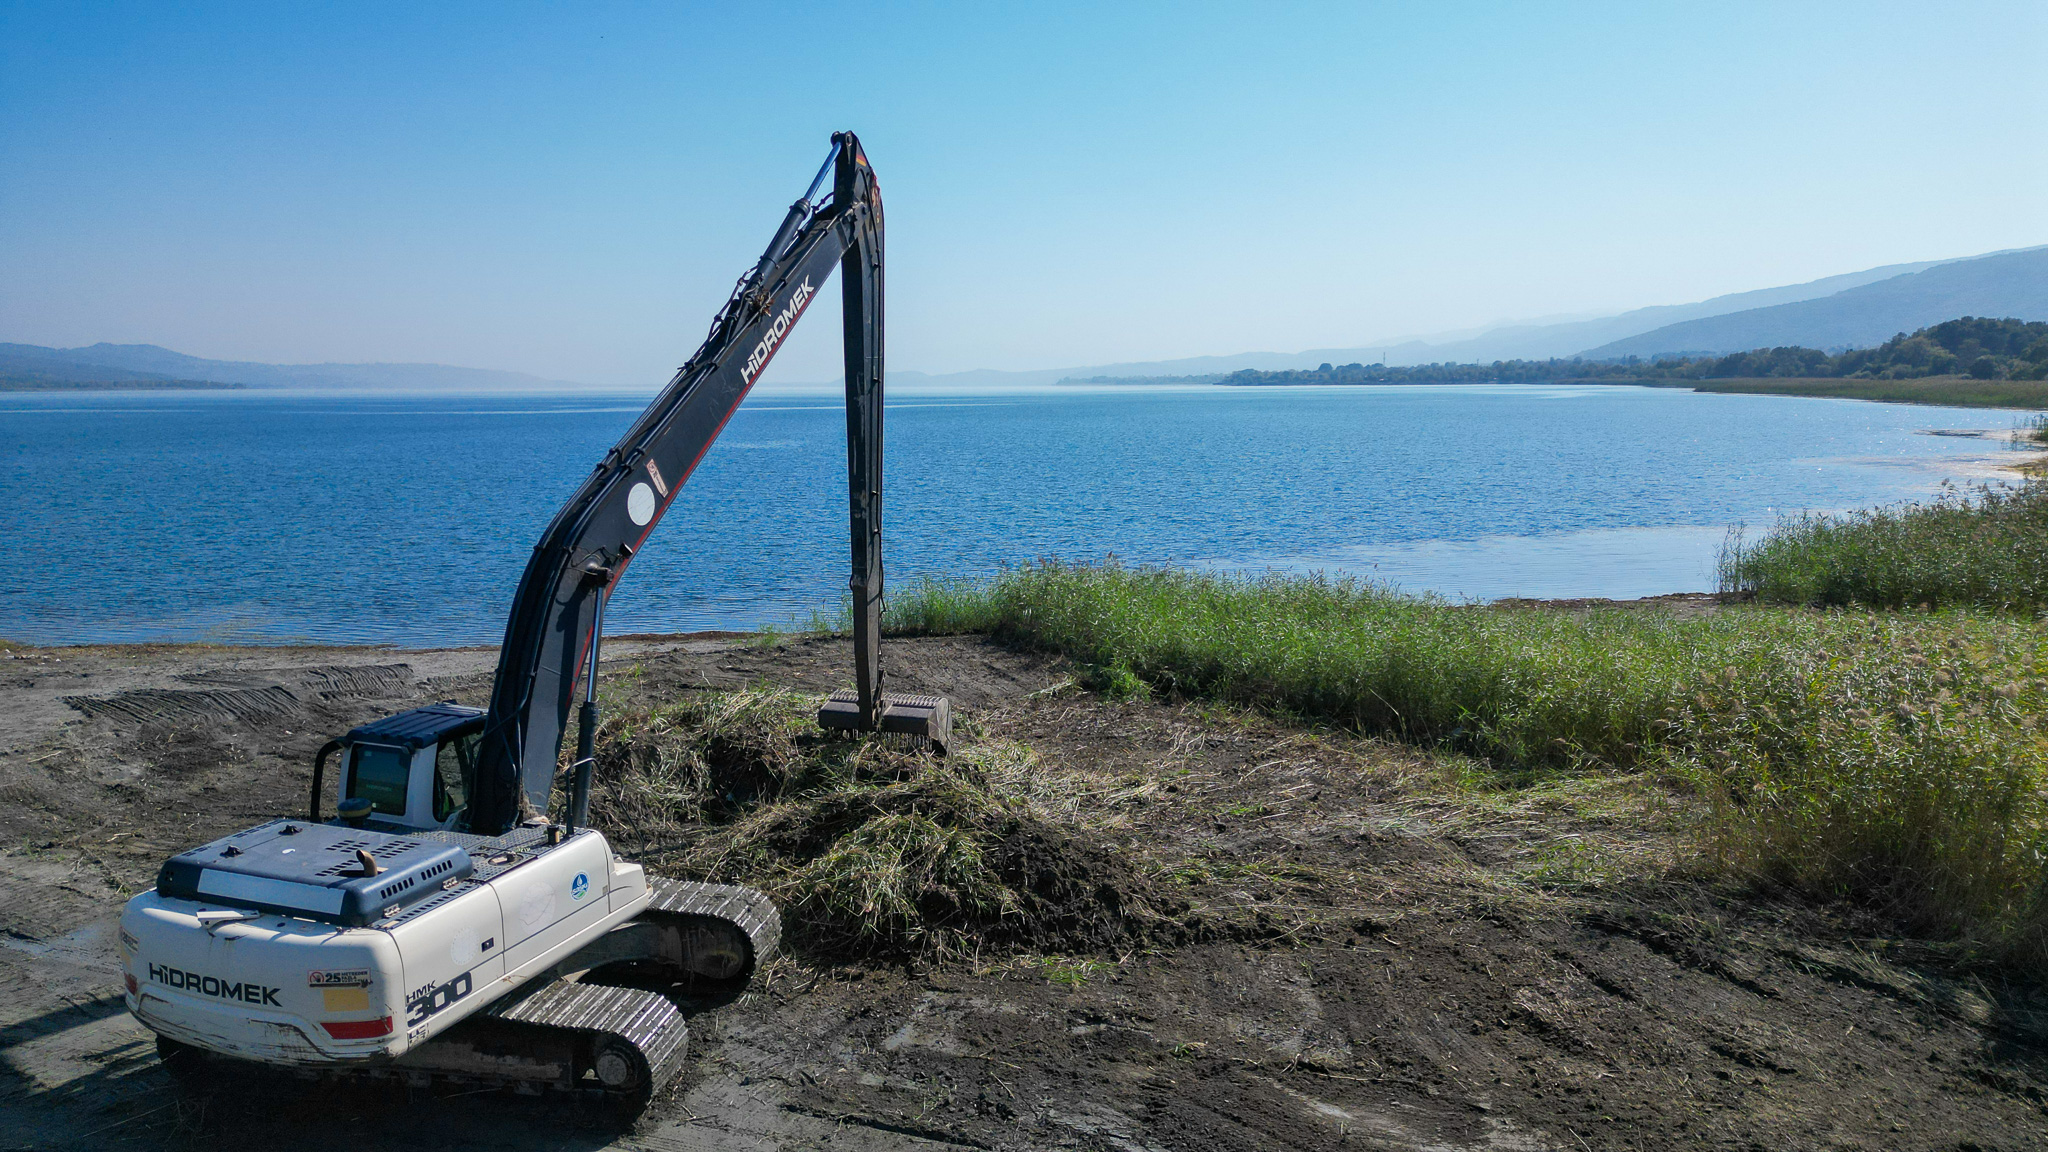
[[440, 925]]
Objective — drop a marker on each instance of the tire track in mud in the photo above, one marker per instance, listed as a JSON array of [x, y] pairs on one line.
[[248, 703], [190, 706]]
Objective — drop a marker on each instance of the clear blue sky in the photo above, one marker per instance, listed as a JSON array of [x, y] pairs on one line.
[[570, 189]]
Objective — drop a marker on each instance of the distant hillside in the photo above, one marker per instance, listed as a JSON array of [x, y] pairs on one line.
[[2008, 284], [1532, 340], [136, 364], [1528, 341], [105, 381], [1542, 341], [25, 367], [1981, 348]]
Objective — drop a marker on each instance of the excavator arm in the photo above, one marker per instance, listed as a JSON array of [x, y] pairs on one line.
[[556, 622]]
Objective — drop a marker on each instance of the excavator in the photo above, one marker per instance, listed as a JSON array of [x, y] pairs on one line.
[[441, 925]]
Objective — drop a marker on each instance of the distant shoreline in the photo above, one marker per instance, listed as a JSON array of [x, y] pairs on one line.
[[1949, 391], [27, 384], [1945, 391]]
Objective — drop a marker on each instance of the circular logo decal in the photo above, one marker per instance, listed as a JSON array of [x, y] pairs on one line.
[[579, 887], [464, 948], [537, 904], [640, 503]]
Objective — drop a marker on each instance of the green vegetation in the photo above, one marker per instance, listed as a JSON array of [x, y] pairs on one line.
[[1897, 759], [1970, 348], [1952, 391], [1986, 549]]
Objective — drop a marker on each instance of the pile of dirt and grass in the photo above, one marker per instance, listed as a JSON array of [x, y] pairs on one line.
[[874, 848]]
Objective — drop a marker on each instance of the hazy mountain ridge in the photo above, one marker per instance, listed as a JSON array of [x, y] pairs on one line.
[[119, 363], [1541, 341], [1855, 309], [2006, 284], [30, 362], [1589, 338]]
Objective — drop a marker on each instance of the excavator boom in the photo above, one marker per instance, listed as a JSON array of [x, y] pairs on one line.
[[554, 624]]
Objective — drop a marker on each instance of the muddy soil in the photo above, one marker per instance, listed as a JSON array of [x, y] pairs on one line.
[[1407, 964]]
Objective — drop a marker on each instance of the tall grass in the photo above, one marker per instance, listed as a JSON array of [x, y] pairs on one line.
[[1985, 549], [1949, 391], [1897, 759]]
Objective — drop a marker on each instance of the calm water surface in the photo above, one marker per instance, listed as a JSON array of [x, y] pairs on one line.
[[278, 517]]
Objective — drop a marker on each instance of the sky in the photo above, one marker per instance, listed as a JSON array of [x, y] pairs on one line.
[[570, 189]]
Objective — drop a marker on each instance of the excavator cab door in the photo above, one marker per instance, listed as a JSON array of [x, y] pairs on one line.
[[416, 770], [454, 775]]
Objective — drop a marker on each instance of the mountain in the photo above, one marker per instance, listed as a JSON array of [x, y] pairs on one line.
[[1527, 340], [27, 365], [1543, 341], [137, 363], [2007, 284], [1855, 309]]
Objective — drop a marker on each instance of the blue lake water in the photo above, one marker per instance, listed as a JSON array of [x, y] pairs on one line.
[[268, 517]]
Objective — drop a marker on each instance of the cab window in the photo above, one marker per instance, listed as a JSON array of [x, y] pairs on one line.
[[378, 773], [454, 771]]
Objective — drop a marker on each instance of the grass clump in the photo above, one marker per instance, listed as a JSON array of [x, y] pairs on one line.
[[870, 849], [1947, 391], [707, 757], [1984, 549], [928, 606], [1896, 759]]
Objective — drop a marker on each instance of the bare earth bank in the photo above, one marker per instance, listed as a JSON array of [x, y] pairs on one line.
[[1427, 968]]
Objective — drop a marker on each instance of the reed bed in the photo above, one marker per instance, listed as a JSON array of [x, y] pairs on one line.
[[1895, 759], [1984, 548]]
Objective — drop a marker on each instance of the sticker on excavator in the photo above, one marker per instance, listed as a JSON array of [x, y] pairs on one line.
[[338, 978], [345, 999]]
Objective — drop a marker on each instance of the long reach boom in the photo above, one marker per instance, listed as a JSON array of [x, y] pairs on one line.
[[556, 621]]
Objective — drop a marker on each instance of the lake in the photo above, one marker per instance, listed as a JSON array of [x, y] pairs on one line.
[[281, 517]]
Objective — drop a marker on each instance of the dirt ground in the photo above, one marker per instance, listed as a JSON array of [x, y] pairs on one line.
[[1409, 965]]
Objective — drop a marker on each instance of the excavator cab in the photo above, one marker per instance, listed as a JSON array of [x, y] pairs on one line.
[[411, 771]]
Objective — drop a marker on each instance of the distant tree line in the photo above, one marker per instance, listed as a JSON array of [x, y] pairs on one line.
[[1981, 348], [12, 381]]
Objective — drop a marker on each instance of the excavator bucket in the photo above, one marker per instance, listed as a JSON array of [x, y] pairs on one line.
[[922, 720], [927, 719]]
